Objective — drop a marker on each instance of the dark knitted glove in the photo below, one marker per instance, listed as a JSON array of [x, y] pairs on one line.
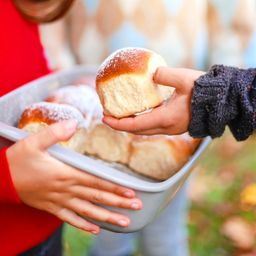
[[224, 96]]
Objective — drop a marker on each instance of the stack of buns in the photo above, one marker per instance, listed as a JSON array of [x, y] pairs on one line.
[[121, 82]]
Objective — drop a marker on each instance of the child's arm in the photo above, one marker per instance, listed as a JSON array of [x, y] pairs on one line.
[[35, 178], [224, 96], [173, 116], [202, 103]]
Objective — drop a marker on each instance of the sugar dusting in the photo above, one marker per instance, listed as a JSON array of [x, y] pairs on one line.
[[126, 56], [56, 112], [83, 97]]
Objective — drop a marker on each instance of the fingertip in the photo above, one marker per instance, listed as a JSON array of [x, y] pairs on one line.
[[107, 119], [91, 228], [156, 74], [65, 129], [112, 122], [167, 76], [124, 222], [95, 231], [129, 193], [70, 125], [136, 205], [104, 119], [160, 75]]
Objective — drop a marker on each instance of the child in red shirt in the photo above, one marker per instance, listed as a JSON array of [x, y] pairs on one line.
[[37, 192]]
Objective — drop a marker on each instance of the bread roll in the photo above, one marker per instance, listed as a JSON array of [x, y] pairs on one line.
[[125, 85], [159, 157], [39, 115], [108, 144]]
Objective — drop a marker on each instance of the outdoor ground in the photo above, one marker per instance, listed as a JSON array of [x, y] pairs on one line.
[[222, 219]]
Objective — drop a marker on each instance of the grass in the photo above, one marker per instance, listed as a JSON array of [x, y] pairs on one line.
[[76, 242]]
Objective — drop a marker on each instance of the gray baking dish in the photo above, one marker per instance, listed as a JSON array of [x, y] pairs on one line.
[[154, 195]]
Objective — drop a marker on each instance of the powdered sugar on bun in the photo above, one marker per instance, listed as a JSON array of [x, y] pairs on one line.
[[125, 60], [39, 115], [48, 113], [82, 97]]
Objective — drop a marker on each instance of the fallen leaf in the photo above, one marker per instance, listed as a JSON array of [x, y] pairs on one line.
[[198, 188], [248, 196], [240, 232], [227, 173], [225, 209], [253, 253]]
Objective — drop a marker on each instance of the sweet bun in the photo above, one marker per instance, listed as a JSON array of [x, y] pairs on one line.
[[160, 156], [125, 85], [39, 115], [82, 97], [108, 144]]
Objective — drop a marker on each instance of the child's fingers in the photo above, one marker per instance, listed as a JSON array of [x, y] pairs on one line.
[[97, 213], [141, 122], [151, 132], [106, 198], [180, 78], [91, 181], [170, 77], [157, 131], [172, 130], [73, 219]]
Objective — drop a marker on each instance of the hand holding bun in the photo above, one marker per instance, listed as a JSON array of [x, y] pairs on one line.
[[125, 83], [39, 115]]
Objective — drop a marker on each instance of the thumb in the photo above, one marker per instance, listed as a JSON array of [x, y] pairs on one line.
[[53, 134], [181, 79]]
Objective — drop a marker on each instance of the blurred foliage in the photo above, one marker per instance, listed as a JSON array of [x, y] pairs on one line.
[[76, 242], [222, 219], [219, 223]]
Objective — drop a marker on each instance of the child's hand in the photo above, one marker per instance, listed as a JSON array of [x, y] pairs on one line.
[[173, 116], [47, 184]]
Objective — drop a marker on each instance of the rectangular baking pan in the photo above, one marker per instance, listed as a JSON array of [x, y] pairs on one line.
[[154, 195]]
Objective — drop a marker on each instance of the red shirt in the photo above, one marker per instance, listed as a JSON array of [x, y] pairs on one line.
[[21, 60]]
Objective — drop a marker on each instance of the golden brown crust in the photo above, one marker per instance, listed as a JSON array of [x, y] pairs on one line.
[[34, 116], [169, 155], [182, 146], [125, 61], [49, 113]]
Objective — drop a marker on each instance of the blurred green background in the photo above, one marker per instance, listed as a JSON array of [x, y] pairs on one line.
[[223, 204]]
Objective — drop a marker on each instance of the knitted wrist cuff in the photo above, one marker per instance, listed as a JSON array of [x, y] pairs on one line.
[[224, 96]]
